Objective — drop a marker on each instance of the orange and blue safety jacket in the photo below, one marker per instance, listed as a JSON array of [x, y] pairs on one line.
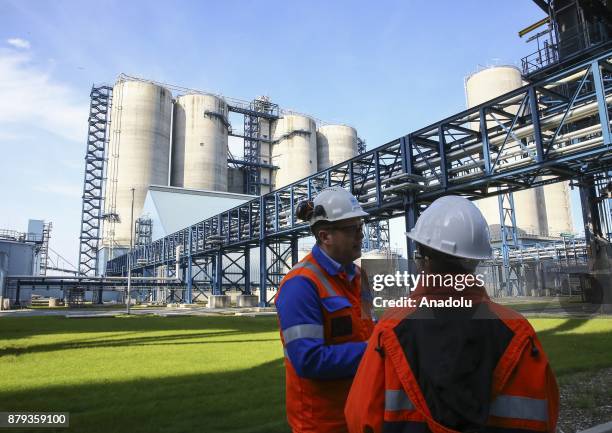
[[325, 320], [448, 370]]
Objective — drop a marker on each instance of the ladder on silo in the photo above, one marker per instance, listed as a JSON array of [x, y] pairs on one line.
[[252, 152], [43, 257]]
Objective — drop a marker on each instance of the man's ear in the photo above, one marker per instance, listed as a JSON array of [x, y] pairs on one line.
[[324, 236]]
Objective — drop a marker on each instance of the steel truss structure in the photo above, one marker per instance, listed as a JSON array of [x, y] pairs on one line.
[[144, 231], [603, 188], [553, 130], [376, 236], [93, 194], [260, 108], [509, 241]]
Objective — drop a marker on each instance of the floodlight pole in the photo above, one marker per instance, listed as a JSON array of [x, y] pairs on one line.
[[129, 282]]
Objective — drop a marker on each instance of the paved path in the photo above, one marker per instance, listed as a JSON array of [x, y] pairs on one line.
[[158, 311]]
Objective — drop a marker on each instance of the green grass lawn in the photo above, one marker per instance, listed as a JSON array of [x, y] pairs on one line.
[[183, 374], [146, 374]]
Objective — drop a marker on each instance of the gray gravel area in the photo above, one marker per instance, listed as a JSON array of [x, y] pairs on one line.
[[586, 400]]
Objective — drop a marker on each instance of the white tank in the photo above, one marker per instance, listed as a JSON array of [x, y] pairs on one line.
[[483, 86], [199, 142], [335, 144], [489, 83], [294, 149], [375, 255], [139, 151]]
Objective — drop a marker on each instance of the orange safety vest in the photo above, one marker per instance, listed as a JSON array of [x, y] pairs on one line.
[[521, 393], [318, 405]]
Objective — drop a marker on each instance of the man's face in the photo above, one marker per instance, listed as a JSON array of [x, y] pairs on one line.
[[343, 239]]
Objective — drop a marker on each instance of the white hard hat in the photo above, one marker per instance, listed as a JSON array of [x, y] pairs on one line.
[[453, 225], [335, 204]]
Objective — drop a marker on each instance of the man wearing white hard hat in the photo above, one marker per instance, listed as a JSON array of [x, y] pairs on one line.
[[323, 322], [479, 368]]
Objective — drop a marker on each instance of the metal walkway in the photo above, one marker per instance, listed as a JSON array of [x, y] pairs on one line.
[[553, 130]]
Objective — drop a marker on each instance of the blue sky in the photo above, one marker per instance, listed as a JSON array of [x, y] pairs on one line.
[[386, 67]]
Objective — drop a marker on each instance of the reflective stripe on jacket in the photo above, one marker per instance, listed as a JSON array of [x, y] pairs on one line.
[[324, 334], [476, 369]]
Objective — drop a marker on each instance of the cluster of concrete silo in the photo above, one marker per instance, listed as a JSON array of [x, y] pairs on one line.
[[299, 149], [540, 211], [183, 142]]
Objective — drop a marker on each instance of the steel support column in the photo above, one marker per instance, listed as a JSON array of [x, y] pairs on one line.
[[294, 251], [263, 253], [218, 287], [247, 271], [507, 227], [189, 294], [602, 105], [590, 211]]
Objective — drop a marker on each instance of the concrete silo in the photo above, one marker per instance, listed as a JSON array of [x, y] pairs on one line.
[[530, 211], [558, 208], [199, 142], [335, 144], [235, 180], [139, 151], [294, 149], [491, 82]]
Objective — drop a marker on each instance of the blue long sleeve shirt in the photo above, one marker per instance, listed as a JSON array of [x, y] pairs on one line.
[[300, 313]]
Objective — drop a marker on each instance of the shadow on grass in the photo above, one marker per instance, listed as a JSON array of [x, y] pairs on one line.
[[249, 400], [566, 326], [22, 327], [173, 339], [577, 352]]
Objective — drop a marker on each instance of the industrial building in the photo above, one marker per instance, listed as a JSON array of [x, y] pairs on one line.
[[165, 199], [22, 254]]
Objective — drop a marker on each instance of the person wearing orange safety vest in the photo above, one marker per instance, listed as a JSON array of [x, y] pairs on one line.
[[447, 370], [324, 316]]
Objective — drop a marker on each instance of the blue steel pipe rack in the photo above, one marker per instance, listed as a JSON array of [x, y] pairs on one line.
[[545, 132]]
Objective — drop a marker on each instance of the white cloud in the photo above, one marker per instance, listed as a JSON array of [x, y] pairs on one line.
[[19, 43], [30, 98]]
